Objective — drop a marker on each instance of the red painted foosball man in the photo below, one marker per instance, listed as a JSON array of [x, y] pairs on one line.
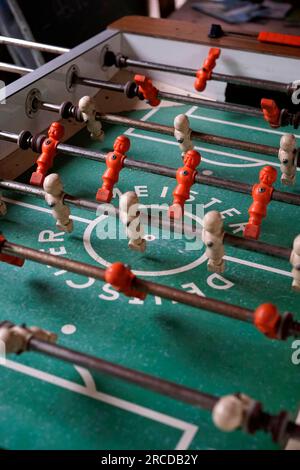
[[271, 112], [49, 151], [267, 320], [261, 193], [147, 89], [204, 74], [185, 177], [122, 278], [9, 259], [114, 164]]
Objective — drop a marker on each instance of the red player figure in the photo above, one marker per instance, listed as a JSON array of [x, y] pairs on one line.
[[121, 278], [49, 151], [267, 320], [261, 193], [271, 112], [185, 177], [147, 89], [9, 259], [114, 163], [204, 74]]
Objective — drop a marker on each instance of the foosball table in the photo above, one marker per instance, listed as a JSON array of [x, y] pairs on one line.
[[149, 245]]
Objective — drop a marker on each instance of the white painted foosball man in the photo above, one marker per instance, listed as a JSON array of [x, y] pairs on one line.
[[212, 237], [3, 208], [230, 411], [295, 262], [182, 133], [55, 199], [130, 216], [288, 159], [88, 110]]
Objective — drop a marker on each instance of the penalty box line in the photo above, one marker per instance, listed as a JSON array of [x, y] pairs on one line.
[[189, 430]]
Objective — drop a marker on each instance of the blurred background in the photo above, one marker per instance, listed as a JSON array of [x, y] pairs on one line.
[[67, 23]]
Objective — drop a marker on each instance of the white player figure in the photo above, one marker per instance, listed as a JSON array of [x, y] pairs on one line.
[[130, 216], [212, 237], [295, 262], [182, 133], [288, 159], [88, 110], [3, 208], [55, 199], [229, 412]]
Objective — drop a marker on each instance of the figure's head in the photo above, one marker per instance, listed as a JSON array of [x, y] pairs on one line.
[[181, 123], [288, 142], [56, 131], [128, 200], [122, 144], [268, 175], [118, 274], [53, 185], [296, 245], [266, 319], [212, 222], [192, 159], [87, 105]]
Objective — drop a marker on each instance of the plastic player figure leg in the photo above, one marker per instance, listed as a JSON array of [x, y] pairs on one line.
[[261, 193], [182, 133], [130, 216], [204, 74], [114, 164], [288, 159], [147, 89], [295, 262], [185, 177], [55, 199], [49, 151], [212, 236], [88, 110]]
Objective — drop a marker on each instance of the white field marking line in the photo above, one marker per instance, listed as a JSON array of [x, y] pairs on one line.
[[243, 126], [258, 162], [188, 428], [144, 118], [87, 378], [229, 258], [258, 265], [42, 209]]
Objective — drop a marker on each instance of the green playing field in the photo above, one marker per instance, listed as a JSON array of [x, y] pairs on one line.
[[47, 404]]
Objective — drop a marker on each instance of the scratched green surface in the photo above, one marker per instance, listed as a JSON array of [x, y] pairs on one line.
[[45, 404]]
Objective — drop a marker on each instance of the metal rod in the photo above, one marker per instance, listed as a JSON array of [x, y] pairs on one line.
[[195, 135], [218, 105], [262, 421], [160, 290], [234, 240], [104, 85], [222, 106], [153, 168], [235, 80], [33, 45], [168, 130], [164, 387], [258, 246], [84, 269], [14, 69]]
